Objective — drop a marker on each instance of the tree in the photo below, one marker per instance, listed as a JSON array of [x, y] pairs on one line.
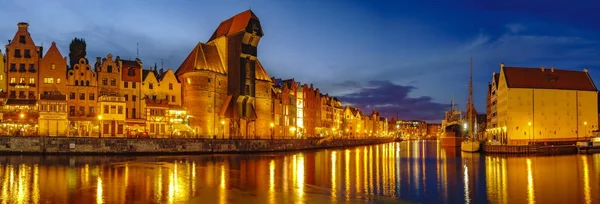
[[77, 51]]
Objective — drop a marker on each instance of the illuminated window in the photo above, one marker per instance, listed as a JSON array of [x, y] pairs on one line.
[[13, 80], [189, 80], [58, 80], [48, 80], [113, 82], [53, 66], [22, 80]]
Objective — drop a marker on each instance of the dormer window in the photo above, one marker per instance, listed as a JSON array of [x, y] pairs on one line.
[[109, 69]]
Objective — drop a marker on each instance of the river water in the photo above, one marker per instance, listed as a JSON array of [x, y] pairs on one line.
[[406, 172]]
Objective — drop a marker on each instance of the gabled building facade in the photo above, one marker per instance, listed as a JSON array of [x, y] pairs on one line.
[[82, 90], [52, 104], [111, 102], [131, 77]]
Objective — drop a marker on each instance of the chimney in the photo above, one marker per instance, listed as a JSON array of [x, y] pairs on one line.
[[552, 69], [543, 68], [23, 26]]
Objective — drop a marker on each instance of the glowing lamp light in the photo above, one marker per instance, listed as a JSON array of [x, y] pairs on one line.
[[585, 123], [272, 125], [222, 122], [529, 123], [99, 117], [466, 126], [22, 115]]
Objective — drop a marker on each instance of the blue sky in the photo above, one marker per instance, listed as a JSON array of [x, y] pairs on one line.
[[408, 57]]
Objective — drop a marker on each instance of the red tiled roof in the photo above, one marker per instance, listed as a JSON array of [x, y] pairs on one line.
[[233, 25], [203, 57], [520, 77]]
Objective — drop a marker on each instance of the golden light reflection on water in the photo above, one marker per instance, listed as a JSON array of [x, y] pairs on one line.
[[99, 192], [361, 174], [586, 180], [333, 174], [530, 190]]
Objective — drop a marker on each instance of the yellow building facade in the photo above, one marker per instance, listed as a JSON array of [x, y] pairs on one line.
[[3, 82], [52, 104], [543, 105]]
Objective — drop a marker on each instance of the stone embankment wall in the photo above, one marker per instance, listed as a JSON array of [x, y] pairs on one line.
[[81, 145]]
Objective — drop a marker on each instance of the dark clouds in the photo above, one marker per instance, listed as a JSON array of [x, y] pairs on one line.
[[389, 98]]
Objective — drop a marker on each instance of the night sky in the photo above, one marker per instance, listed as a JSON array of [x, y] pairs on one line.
[[408, 57]]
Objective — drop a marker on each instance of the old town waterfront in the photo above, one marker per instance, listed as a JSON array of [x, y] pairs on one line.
[[410, 171]]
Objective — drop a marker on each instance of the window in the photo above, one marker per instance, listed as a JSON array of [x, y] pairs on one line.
[[82, 96], [76, 83], [120, 110], [126, 97], [1, 77], [113, 82], [91, 110], [22, 80], [133, 112], [109, 69], [170, 86], [32, 67], [105, 81], [48, 80], [173, 99], [58, 80], [133, 84], [72, 95], [31, 80], [151, 127], [22, 39], [113, 109], [87, 83], [150, 85], [31, 93], [71, 110], [22, 68], [106, 109], [17, 53], [92, 97], [133, 97], [13, 93], [131, 72], [126, 112], [189, 80], [53, 66], [13, 67], [126, 84], [81, 110], [27, 53], [13, 80], [21, 93]]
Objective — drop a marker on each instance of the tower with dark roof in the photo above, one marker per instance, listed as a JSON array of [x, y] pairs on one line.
[[224, 86]]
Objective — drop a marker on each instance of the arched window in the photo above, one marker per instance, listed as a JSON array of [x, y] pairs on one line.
[[87, 83], [76, 83]]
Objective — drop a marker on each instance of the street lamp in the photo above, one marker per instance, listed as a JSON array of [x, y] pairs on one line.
[[22, 116], [223, 128], [271, 125], [530, 133], [585, 128], [99, 126]]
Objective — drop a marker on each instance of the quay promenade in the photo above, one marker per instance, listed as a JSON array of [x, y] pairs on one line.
[[86, 145]]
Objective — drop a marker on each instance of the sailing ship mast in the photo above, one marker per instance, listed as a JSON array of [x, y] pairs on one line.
[[471, 125]]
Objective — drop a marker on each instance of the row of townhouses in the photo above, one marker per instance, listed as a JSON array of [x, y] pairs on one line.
[[220, 90]]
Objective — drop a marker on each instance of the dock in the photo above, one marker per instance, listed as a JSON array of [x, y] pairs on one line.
[[530, 149]]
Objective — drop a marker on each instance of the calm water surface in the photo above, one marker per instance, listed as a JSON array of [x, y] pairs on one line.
[[419, 172]]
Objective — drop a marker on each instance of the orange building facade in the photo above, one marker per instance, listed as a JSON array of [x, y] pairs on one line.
[[221, 90]]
